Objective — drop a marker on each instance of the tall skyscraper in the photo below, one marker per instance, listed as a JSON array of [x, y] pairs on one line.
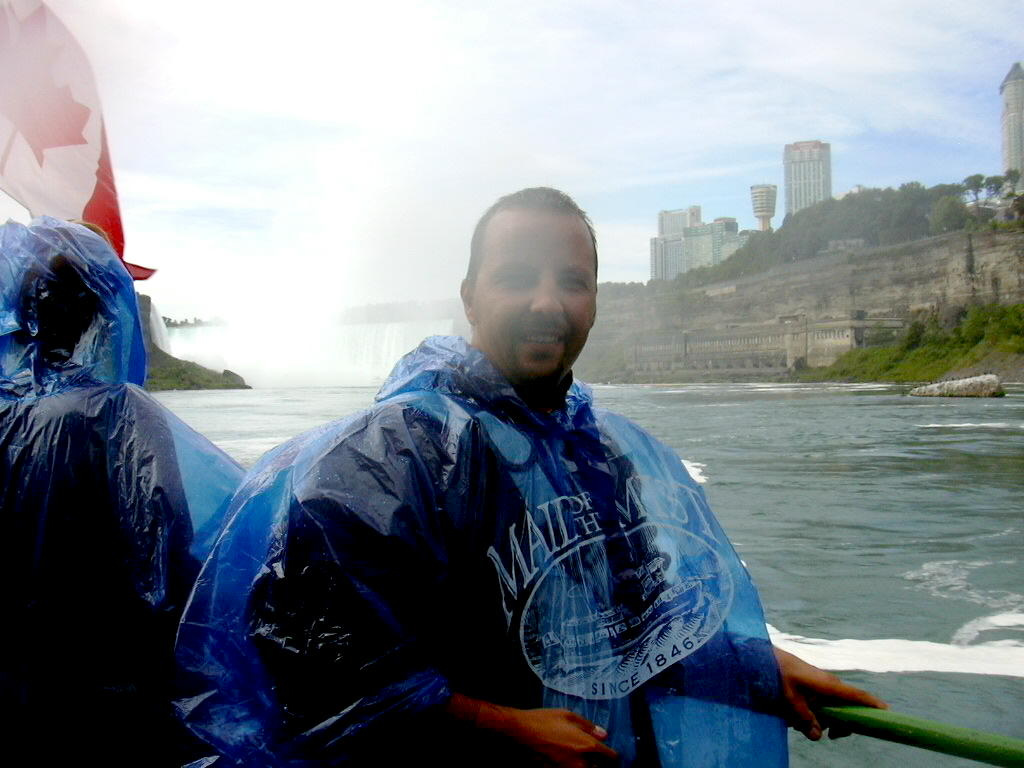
[[808, 167], [1012, 91], [762, 197]]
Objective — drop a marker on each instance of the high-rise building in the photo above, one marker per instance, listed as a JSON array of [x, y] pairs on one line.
[[762, 197], [667, 249], [713, 243], [1012, 91], [674, 222], [666, 257], [808, 167], [679, 248]]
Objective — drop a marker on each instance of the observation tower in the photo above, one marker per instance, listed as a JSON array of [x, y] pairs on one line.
[[762, 196]]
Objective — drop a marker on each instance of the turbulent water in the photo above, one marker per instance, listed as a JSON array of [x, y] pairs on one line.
[[885, 532]]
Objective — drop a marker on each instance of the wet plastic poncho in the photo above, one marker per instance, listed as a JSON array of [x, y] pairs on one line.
[[100, 490], [452, 539]]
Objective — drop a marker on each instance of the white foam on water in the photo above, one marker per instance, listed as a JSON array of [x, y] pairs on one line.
[[944, 579], [812, 388], [973, 425], [969, 632], [770, 388], [999, 657], [696, 470], [869, 387], [950, 579], [764, 387], [996, 535]]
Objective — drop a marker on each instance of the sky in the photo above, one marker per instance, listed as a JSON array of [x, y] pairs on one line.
[[284, 161]]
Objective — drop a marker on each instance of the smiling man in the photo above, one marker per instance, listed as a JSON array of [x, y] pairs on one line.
[[532, 301], [487, 568]]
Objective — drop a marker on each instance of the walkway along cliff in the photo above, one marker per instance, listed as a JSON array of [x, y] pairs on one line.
[[803, 314]]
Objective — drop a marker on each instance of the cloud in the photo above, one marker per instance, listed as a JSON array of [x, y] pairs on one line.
[[341, 153]]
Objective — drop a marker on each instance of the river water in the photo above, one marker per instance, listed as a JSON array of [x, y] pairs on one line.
[[886, 533]]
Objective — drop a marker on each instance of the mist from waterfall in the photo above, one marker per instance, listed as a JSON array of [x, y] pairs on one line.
[[343, 354]]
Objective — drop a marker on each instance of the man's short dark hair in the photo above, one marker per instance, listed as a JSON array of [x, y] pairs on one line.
[[531, 199]]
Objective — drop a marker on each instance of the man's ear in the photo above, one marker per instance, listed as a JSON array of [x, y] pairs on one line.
[[466, 292]]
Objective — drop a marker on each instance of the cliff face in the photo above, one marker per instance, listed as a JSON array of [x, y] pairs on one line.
[[805, 313]]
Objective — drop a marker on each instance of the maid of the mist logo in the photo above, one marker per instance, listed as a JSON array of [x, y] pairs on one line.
[[611, 600]]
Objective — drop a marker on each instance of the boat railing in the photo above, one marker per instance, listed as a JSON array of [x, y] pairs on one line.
[[991, 748]]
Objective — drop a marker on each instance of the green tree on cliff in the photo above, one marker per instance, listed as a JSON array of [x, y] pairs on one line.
[[994, 185], [908, 216], [949, 214], [974, 184]]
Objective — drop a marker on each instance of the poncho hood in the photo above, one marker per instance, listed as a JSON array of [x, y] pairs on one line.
[[48, 268]]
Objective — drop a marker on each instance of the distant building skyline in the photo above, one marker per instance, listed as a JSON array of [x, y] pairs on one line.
[[807, 167], [762, 198], [685, 242], [1012, 91]]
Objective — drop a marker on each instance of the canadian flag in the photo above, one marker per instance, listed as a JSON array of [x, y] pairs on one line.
[[53, 146]]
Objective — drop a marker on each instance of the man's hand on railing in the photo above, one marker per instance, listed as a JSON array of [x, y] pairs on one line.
[[805, 687]]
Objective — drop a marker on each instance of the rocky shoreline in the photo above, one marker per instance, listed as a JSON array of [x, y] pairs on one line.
[[167, 372]]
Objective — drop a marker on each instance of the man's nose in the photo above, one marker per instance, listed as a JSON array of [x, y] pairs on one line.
[[546, 298]]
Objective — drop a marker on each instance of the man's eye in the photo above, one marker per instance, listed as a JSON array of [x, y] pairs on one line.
[[575, 283], [515, 280]]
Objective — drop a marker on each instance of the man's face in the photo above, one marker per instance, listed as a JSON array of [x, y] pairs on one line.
[[535, 295]]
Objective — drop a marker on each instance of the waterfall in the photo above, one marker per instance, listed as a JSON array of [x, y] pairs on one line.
[[351, 354], [157, 329]]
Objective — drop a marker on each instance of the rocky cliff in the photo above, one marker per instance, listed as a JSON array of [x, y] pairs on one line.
[[804, 313]]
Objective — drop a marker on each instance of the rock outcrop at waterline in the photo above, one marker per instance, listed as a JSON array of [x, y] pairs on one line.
[[974, 386], [168, 372]]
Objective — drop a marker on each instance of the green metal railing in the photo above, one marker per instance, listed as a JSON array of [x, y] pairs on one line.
[[990, 748]]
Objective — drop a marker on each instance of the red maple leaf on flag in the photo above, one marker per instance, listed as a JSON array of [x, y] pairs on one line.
[[45, 114]]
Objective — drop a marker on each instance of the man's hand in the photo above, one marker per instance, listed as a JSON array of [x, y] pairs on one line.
[[804, 686], [557, 737]]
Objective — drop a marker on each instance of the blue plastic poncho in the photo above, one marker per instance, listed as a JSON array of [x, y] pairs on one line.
[[452, 539], [100, 490]]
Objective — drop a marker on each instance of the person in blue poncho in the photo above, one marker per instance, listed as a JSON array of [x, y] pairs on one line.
[[102, 491], [485, 568]]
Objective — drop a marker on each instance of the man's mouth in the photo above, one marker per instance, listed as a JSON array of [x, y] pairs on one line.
[[542, 338]]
